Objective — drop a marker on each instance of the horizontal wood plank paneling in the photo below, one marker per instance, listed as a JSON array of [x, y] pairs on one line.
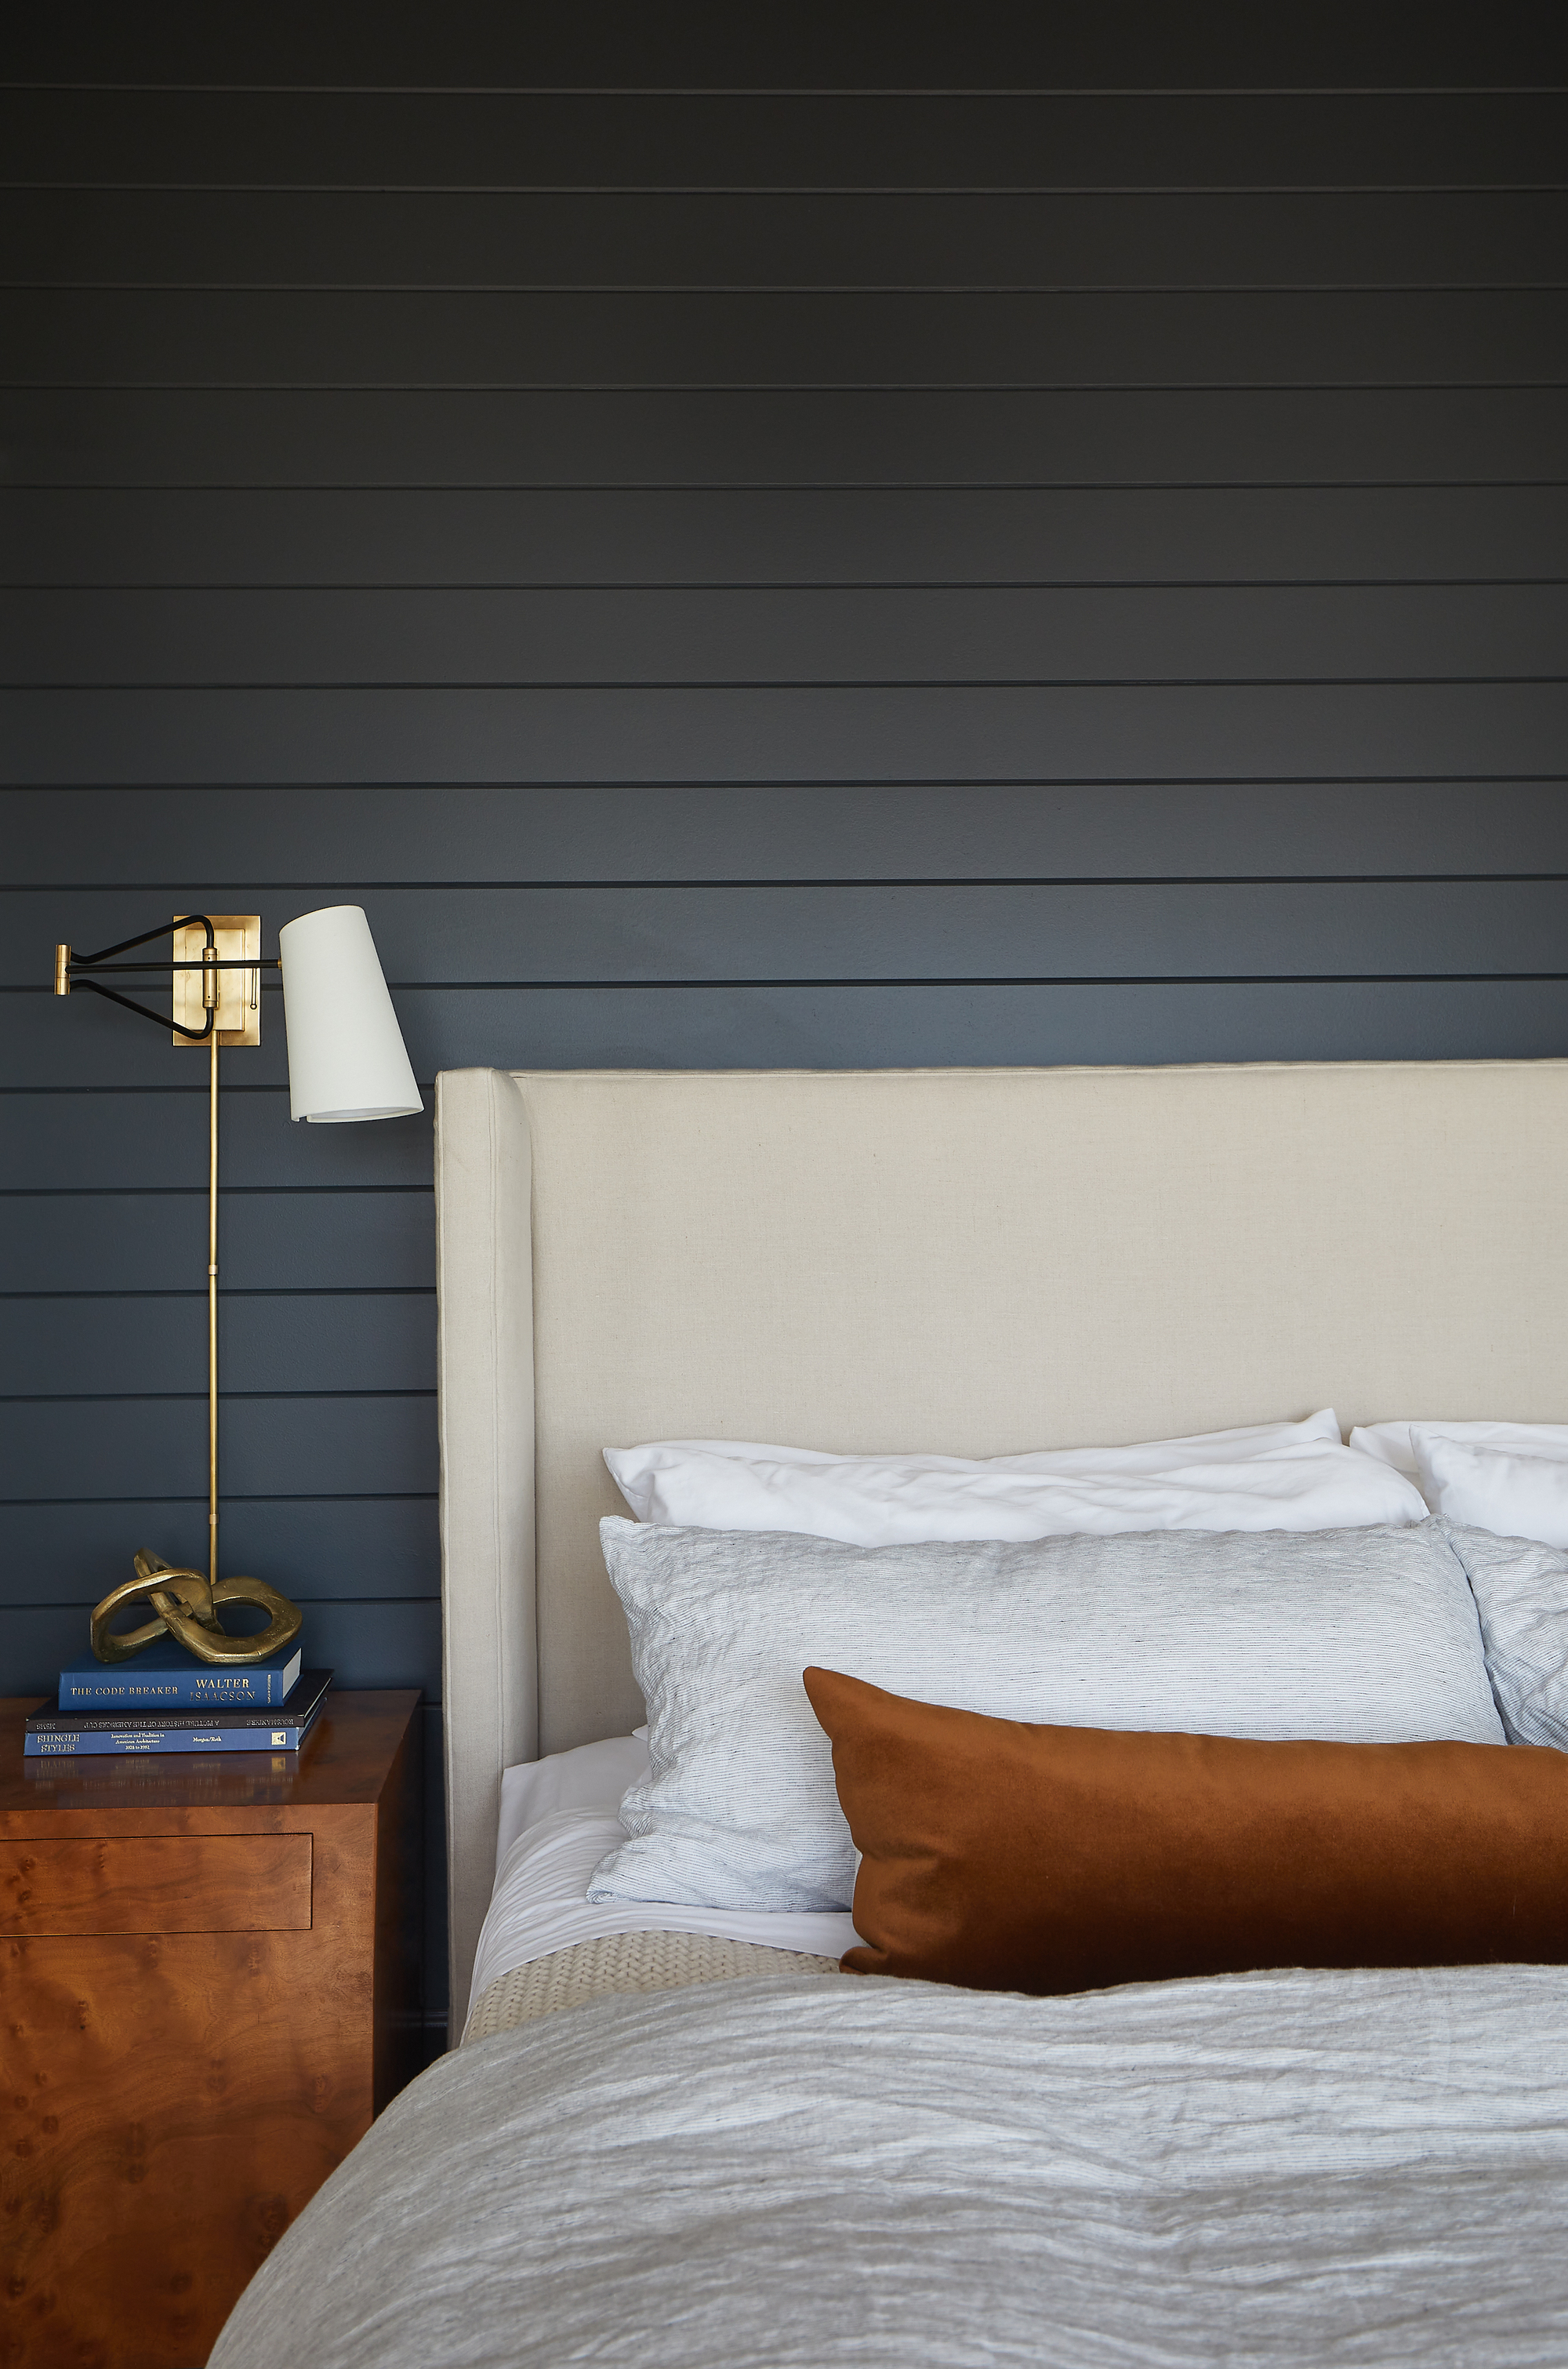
[[323, 1241], [707, 44], [675, 735], [840, 570], [682, 239], [186, 846], [504, 936], [799, 437], [1107, 633], [376, 1445], [869, 1027], [377, 1548], [606, 139], [277, 1341], [61, 1140], [267, 337], [898, 535]]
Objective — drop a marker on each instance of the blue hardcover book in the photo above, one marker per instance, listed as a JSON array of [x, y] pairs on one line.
[[51, 1735], [165, 1677]]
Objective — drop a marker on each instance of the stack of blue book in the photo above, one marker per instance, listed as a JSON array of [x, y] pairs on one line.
[[163, 1700]]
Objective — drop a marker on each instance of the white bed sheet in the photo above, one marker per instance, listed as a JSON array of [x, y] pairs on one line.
[[558, 1820]]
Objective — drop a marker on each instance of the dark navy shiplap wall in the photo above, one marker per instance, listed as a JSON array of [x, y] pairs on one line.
[[923, 538]]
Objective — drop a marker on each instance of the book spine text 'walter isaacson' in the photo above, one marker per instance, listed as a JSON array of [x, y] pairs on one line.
[[166, 1679]]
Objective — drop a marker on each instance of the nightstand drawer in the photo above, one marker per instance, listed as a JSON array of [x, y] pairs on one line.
[[156, 1883]]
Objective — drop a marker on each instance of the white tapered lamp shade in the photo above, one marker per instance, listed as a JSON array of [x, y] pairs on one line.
[[346, 1058]]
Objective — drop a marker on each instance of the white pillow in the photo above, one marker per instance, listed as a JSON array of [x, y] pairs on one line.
[[1290, 1476], [1517, 1496], [1391, 1442], [589, 1777], [1359, 1635], [1521, 1593]]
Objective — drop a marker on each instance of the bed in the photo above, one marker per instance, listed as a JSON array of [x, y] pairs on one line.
[[726, 2152]]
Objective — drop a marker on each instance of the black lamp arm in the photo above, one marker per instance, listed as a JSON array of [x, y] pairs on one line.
[[164, 1020], [76, 967], [123, 946]]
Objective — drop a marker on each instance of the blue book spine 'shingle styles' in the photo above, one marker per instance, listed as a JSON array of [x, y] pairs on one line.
[[68, 1743], [166, 1679]]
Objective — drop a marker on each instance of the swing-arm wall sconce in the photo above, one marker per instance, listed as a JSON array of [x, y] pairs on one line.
[[347, 1061]]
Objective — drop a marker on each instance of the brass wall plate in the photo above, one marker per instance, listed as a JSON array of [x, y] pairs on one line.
[[238, 937]]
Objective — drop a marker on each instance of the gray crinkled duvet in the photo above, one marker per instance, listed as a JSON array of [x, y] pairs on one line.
[[1290, 2168]]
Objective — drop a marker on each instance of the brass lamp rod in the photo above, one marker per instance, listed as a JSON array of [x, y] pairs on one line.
[[187, 1605], [74, 970], [209, 997]]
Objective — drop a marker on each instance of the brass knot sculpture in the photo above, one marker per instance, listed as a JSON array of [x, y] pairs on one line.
[[186, 1603]]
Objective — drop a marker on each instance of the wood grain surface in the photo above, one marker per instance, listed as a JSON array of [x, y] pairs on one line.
[[171, 2099], [155, 1883]]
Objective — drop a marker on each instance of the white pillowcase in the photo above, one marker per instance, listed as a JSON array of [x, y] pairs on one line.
[[1393, 1443], [589, 1777], [1521, 1593], [1355, 1635], [1287, 1476], [1517, 1496]]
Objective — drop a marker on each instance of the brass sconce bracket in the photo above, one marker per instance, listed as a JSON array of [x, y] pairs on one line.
[[238, 966]]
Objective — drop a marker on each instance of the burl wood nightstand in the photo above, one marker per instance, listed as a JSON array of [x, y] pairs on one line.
[[208, 1988]]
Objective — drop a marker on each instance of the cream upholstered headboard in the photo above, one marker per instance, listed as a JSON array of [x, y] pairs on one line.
[[980, 1261]]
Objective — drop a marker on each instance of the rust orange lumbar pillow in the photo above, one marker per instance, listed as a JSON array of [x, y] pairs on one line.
[[1009, 1857]]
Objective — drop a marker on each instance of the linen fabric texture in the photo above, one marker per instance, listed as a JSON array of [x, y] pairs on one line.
[[1284, 1476], [1520, 1587], [1285, 2170], [1366, 1635], [1008, 1856]]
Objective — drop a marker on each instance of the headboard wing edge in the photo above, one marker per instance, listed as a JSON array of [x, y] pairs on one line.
[[485, 1379]]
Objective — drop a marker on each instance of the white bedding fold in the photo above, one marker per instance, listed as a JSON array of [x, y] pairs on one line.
[[541, 1904], [1273, 2172]]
